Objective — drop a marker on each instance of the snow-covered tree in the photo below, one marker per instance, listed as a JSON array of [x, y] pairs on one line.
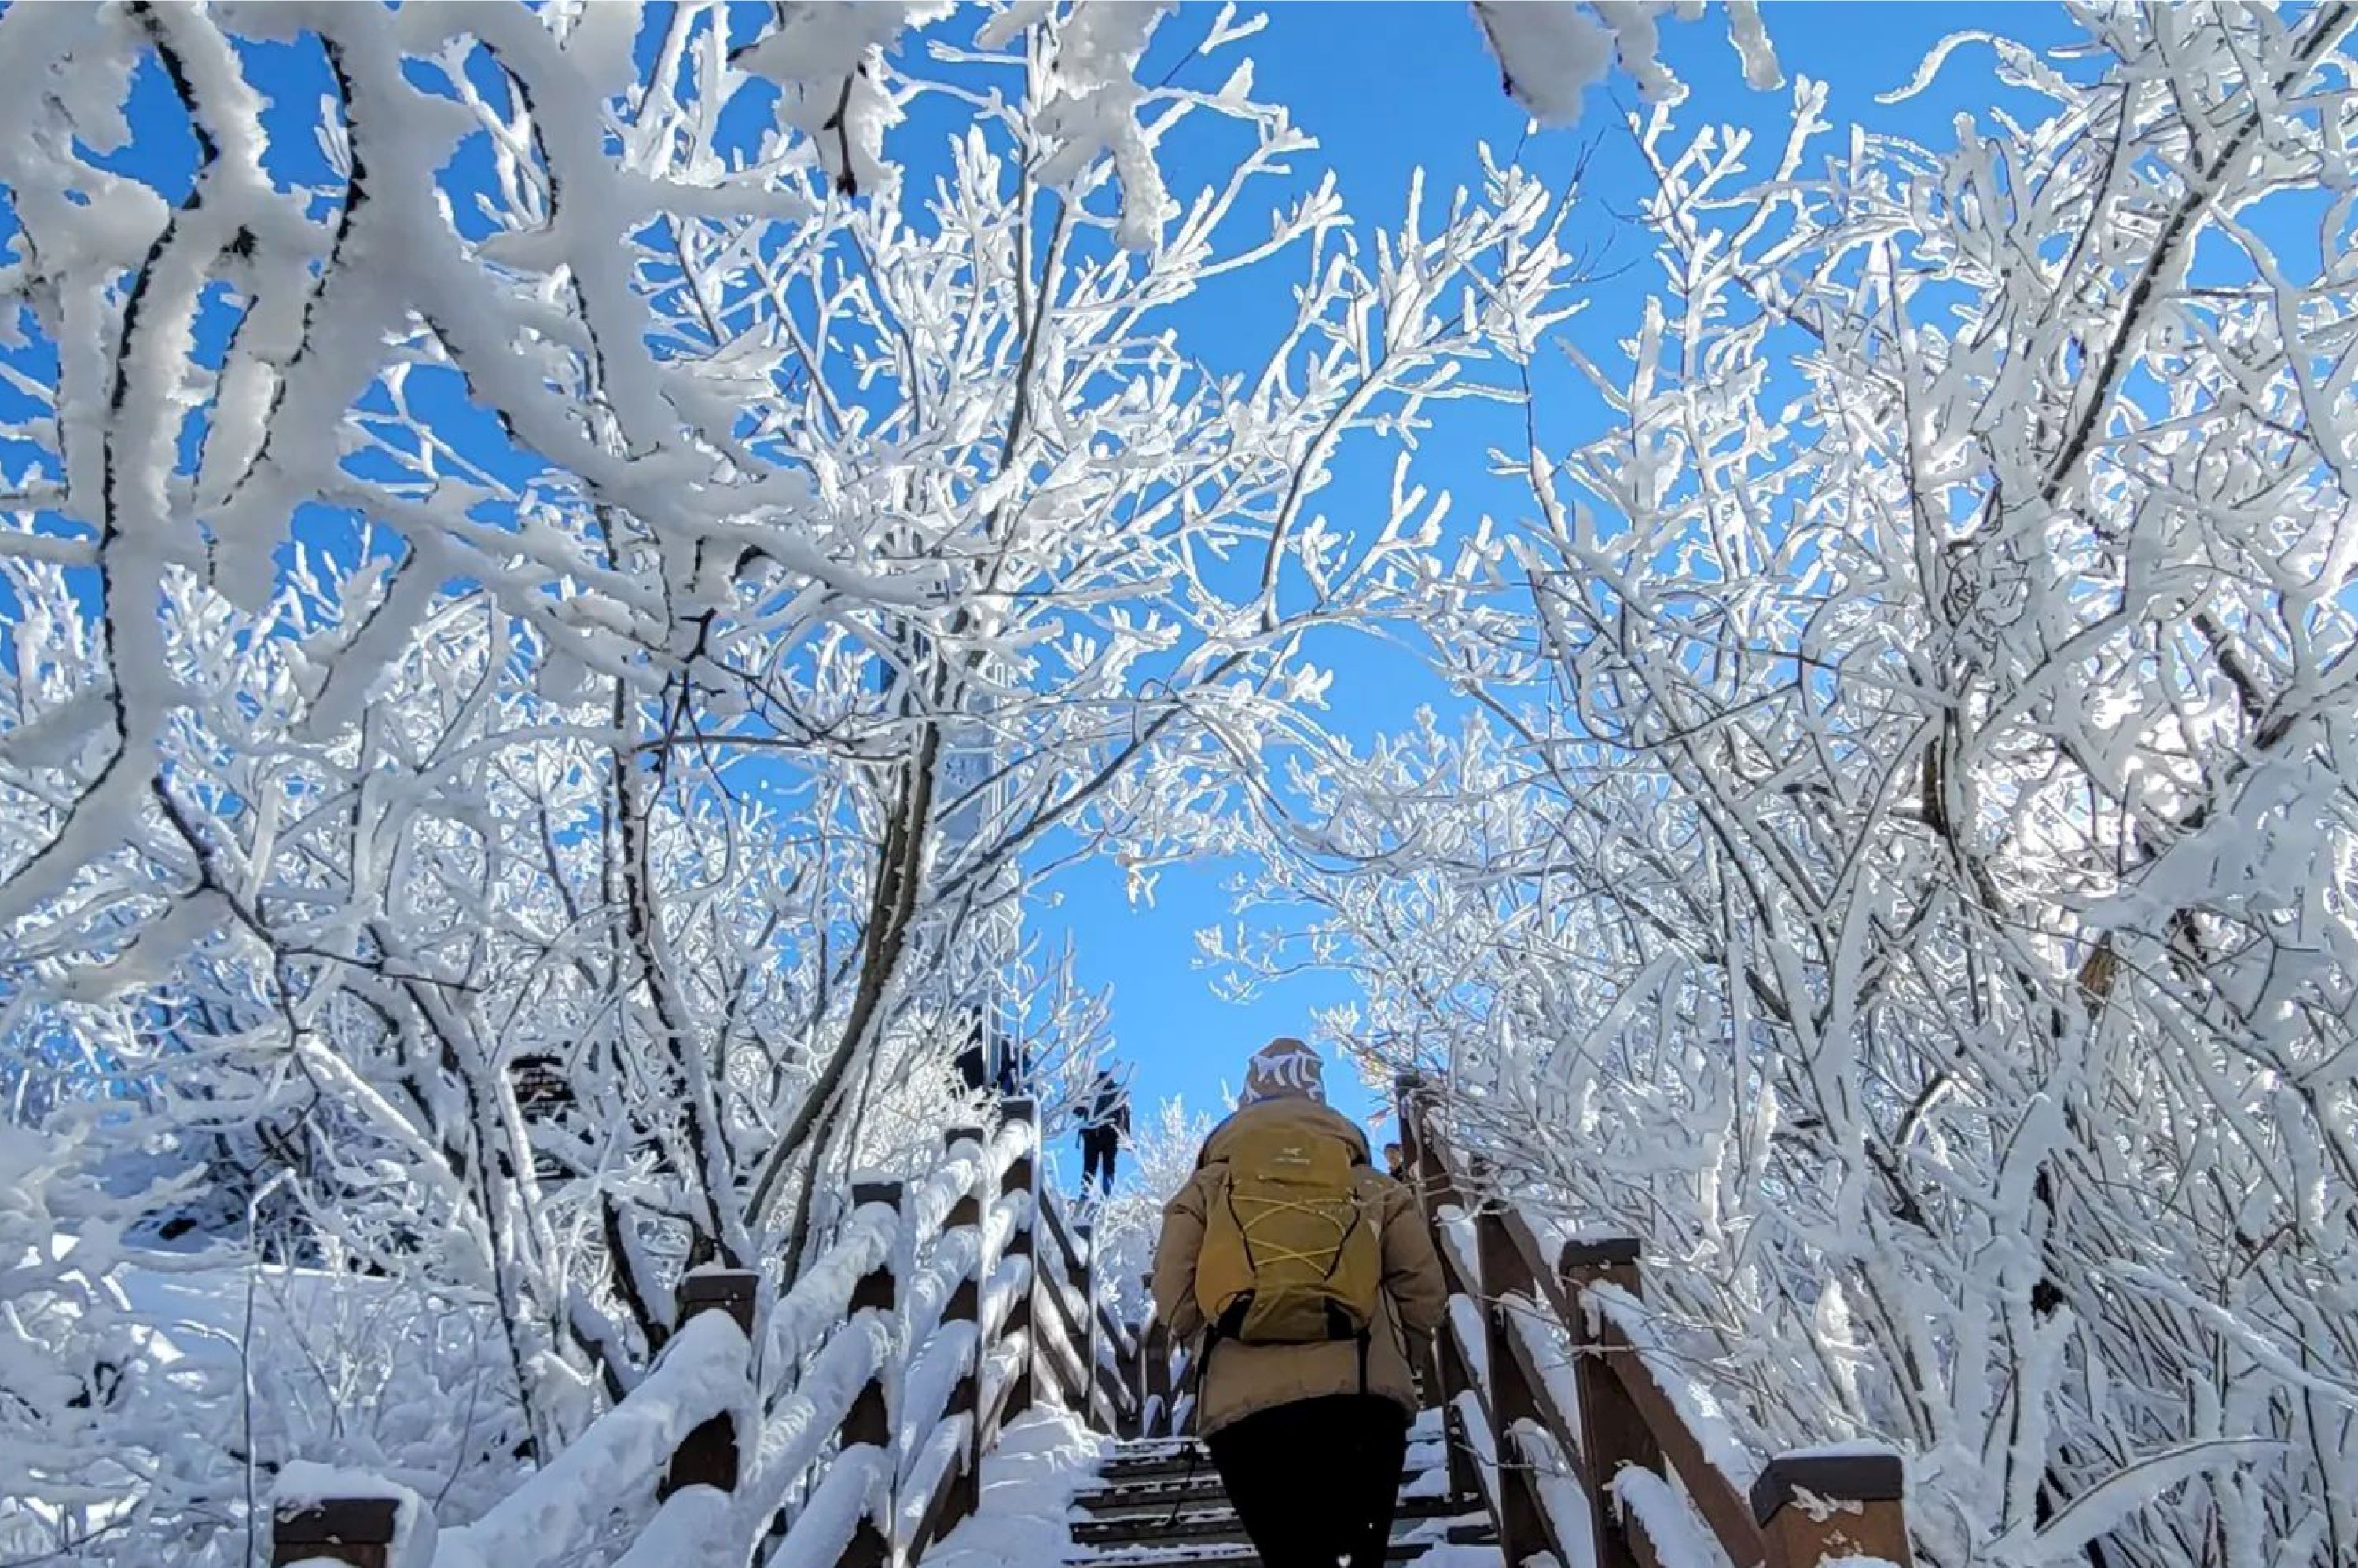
[[1898, 857], [509, 578]]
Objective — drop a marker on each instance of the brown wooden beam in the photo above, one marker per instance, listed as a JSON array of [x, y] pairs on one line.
[[357, 1531], [1613, 1431], [707, 1456], [1715, 1496], [1857, 1508], [1524, 1528], [870, 1421]]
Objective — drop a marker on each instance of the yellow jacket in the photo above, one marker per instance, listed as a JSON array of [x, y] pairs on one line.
[[1240, 1380]]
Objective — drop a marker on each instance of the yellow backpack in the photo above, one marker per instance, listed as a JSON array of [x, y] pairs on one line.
[[1289, 1256]]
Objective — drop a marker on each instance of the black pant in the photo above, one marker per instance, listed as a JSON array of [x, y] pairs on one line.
[[1098, 1146], [1317, 1480]]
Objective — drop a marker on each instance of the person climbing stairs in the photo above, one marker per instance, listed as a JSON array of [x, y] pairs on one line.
[[1158, 1501]]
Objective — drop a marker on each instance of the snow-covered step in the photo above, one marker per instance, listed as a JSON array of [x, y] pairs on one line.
[[1159, 1504], [1192, 1554], [1179, 1489], [1208, 1517], [1162, 1459]]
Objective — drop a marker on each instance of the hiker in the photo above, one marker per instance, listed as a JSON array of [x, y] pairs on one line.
[[1014, 1077], [1308, 1274], [1105, 1123], [1395, 1163], [973, 1063]]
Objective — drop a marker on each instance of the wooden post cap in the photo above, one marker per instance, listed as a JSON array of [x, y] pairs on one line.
[[1868, 1476], [1598, 1252], [1019, 1107], [866, 1193], [334, 1530], [337, 1521], [721, 1289], [958, 1135]]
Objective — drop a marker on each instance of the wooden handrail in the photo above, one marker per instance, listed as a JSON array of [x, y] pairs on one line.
[[927, 1467], [1625, 1418]]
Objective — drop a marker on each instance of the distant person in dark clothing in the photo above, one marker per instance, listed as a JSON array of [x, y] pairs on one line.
[[974, 1062], [1014, 1070], [1105, 1123], [1395, 1164]]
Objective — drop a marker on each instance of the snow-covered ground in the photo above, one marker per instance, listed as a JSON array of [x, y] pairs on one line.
[[1028, 1483]]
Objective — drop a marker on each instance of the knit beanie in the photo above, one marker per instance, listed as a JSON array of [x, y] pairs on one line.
[[1284, 1067]]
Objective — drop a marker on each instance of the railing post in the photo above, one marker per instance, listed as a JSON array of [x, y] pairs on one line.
[[1444, 1372], [1129, 1369], [1022, 1176], [1154, 1367], [1612, 1432], [1522, 1525], [870, 1420], [1855, 1509], [357, 1531], [1084, 1272], [708, 1455], [964, 1487]]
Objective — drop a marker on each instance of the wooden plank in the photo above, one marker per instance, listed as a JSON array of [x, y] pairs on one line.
[[1021, 1175], [1075, 1341], [960, 1491], [943, 1511], [1522, 1518], [1112, 1388], [1715, 1496], [1543, 1268], [708, 1455], [1124, 1342], [1558, 1423], [868, 1421], [1613, 1431], [1075, 1261], [1641, 1545], [1869, 1521]]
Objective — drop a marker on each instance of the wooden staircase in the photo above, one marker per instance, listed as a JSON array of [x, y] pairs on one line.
[[1571, 1421], [1158, 1502]]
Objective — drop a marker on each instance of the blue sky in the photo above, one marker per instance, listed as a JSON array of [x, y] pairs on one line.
[[1386, 88]]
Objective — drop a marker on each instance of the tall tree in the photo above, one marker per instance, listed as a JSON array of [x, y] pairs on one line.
[[1900, 857]]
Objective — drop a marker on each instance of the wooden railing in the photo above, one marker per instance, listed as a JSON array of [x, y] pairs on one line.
[[1568, 1422], [1571, 1424], [888, 1370]]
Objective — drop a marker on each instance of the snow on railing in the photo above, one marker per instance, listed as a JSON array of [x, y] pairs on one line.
[[1644, 1502], [1590, 1450], [1697, 1412], [884, 1374], [819, 1299], [1473, 1337], [702, 1375], [799, 1431]]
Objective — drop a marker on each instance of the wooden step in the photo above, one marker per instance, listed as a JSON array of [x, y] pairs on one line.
[[1204, 1488], [1162, 1458], [1191, 1555], [1220, 1523]]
